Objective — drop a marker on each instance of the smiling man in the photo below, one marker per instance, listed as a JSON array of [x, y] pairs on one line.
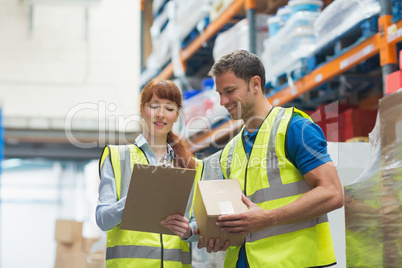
[[287, 177]]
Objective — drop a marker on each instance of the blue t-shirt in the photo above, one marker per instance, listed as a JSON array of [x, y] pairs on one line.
[[306, 148]]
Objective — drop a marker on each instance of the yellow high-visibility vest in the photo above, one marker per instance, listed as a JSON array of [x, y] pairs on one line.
[[128, 249], [270, 180]]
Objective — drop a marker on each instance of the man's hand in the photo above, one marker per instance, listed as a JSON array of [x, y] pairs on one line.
[[179, 225], [253, 220], [213, 245]]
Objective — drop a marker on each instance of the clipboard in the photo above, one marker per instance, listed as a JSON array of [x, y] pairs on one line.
[[154, 193]]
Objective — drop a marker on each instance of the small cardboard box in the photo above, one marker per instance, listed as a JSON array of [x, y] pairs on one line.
[[213, 199], [68, 231]]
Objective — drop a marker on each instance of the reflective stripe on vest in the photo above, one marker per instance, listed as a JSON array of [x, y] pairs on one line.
[[132, 251], [230, 156], [125, 167]]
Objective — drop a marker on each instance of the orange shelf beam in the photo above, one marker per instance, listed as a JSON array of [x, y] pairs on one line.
[[395, 33], [335, 67], [216, 134], [208, 33], [322, 74]]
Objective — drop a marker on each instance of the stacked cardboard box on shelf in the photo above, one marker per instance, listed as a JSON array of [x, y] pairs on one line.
[[373, 203], [73, 250]]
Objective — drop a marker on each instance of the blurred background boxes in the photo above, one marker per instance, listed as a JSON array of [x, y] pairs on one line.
[[75, 251], [68, 231]]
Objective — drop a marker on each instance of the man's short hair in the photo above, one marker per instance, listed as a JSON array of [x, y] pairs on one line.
[[242, 63]]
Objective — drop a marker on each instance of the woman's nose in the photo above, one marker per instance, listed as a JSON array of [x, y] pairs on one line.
[[160, 112]]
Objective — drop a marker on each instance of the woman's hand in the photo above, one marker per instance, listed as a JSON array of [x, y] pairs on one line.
[[179, 225]]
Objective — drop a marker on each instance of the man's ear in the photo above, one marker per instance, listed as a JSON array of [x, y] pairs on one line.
[[255, 83]]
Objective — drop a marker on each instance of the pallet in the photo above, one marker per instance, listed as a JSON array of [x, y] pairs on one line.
[[343, 43], [282, 80]]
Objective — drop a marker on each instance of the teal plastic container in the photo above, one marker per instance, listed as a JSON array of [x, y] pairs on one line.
[[284, 13], [274, 25], [305, 5]]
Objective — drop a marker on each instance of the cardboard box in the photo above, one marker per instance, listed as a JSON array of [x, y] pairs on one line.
[[88, 242], [76, 260], [68, 231], [391, 120], [63, 249], [213, 199], [95, 264]]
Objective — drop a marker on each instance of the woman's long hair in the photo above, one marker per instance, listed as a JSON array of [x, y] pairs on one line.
[[166, 89]]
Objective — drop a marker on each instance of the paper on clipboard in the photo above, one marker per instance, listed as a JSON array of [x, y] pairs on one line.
[[155, 192]]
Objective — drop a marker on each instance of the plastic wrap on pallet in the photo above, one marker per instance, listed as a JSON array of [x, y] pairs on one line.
[[202, 109], [160, 42], [342, 15], [157, 6], [237, 37], [373, 207], [284, 51], [190, 14]]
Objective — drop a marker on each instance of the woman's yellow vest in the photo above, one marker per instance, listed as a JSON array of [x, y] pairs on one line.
[[270, 180], [128, 249]]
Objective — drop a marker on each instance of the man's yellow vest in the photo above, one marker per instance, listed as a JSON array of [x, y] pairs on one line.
[[140, 249], [270, 180]]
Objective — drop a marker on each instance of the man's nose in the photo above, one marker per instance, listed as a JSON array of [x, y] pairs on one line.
[[224, 100]]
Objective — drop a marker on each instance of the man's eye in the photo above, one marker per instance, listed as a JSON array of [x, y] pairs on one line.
[[170, 109], [154, 106]]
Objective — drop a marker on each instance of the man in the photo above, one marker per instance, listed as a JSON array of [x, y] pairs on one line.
[[288, 179]]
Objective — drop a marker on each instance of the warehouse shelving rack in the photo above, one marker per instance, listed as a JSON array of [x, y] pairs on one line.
[[382, 43]]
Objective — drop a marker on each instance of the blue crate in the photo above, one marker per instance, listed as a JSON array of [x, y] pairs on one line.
[[396, 10], [220, 122], [355, 35]]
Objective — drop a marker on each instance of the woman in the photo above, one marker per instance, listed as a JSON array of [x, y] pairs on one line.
[[159, 106]]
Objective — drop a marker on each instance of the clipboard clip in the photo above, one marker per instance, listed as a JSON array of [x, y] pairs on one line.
[[166, 161]]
